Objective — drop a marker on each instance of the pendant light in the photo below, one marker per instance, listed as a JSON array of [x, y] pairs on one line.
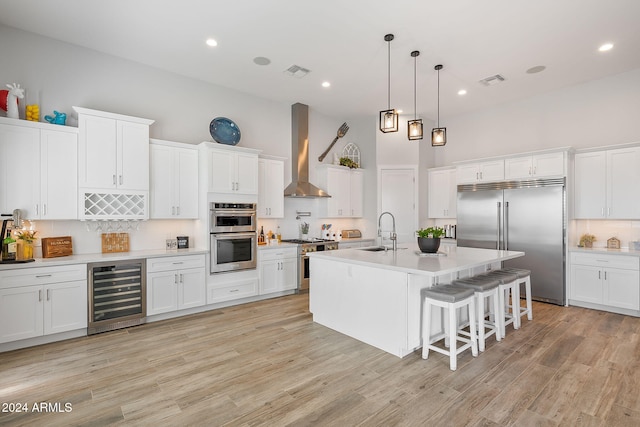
[[438, 134], [414, 127], [389, 117]]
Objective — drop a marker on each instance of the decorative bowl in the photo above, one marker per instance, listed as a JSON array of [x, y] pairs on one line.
[[428, 244], [224, 131]]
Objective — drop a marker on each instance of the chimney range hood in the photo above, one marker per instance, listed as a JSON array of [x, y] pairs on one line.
[[300, 185]]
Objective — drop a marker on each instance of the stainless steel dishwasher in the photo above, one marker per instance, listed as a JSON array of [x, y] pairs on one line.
[[117, 295]]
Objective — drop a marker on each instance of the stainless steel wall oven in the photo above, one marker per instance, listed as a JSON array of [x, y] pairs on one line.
[[233, 237]]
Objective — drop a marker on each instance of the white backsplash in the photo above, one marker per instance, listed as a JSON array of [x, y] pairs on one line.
[[150, 234], [603, 230]]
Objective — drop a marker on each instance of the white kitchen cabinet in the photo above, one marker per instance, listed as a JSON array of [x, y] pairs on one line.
[[605, 281], [270, 188], [346, 188], [443, 193], [39, 170], [488, 171], [358, 244], [606, 184], [233, 170], [175, 283], [42, 301], [113, 151], [543, 165], [173, 187], [231, 290], [278, 269]]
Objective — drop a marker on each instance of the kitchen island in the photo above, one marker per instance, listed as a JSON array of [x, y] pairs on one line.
[[375, 296]]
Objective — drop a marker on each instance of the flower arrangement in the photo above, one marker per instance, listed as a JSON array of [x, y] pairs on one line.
[[28, 236], [431, 232], [586, 240]]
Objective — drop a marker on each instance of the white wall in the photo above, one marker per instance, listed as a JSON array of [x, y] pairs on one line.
[[59, 75], [597, 113]]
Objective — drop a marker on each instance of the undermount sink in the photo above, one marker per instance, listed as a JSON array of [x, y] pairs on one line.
[[378, 249], [375, 249]]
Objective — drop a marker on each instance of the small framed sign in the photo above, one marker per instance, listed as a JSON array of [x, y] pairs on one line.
[[613, 243]]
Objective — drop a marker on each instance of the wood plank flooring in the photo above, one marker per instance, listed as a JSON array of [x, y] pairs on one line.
[[267, 363]]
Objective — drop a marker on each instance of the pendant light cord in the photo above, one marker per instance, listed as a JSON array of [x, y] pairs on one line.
[[415, 68], [439, 97], [388, 74]]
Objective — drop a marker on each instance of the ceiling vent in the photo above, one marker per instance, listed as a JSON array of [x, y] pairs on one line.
[[297, 71], [492, 80]]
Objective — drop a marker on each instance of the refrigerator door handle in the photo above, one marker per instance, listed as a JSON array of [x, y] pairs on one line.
[[498, 228], [506, 226]]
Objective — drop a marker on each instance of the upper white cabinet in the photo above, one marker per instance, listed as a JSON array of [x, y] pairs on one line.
[[233, 170], [535, 166], [38, 165], [113, 151], [606, 184], [270, 188], [480, 172], [346, 188], [174, 180], [442, 193]]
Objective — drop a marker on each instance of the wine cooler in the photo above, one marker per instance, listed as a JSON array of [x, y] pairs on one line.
[[117, 295]]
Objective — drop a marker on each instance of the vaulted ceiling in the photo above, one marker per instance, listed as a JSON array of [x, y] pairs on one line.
[[342, 42]]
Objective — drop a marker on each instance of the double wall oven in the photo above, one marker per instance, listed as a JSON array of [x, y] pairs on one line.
[[233, 237]]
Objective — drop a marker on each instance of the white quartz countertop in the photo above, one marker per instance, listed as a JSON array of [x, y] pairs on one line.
[[449, 259], [623, 251], [99, 257], [277, 246]]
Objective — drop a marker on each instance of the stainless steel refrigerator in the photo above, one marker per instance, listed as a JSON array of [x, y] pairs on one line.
[[528, 216]]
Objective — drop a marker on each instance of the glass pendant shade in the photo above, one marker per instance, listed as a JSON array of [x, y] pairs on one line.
[[388, 121], [414, 129], [438, 137]]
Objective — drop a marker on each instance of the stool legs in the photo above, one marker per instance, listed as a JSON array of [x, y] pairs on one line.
[[529, 309]]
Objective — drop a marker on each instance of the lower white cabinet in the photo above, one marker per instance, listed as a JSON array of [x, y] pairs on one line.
[[42, 301], [608, 281], [278, 269], [232, 290], [175, 283]]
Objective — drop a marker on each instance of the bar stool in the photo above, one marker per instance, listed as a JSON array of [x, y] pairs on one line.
[[489, 288], [524, 276], [449, 297], [508, 287]]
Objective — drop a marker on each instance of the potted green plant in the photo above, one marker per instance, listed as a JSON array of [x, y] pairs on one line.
[[586, 240], [429, 239], [345, 161], [304, 230]]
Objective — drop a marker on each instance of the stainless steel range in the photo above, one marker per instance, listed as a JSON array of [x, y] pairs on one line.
[[304, 247]]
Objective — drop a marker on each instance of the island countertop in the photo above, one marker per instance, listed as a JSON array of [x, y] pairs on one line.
[[409, 259]]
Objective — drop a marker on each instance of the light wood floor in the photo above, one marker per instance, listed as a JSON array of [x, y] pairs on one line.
[[267, 363]]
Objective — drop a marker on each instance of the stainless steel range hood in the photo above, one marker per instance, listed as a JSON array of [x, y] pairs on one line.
[[300, 185]]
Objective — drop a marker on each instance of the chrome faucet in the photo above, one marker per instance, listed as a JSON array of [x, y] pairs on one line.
[[394, 236]]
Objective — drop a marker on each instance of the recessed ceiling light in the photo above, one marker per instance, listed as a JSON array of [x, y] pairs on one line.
[[212, 42], [605, 47], [261, 60], [326, 84], [462, 92], [536, 69]]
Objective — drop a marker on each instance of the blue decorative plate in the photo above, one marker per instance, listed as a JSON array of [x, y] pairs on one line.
[[224, 131]]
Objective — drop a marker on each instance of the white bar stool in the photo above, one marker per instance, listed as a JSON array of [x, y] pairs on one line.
[[485, 287], [449, 297], [524, 276], [509, 287]]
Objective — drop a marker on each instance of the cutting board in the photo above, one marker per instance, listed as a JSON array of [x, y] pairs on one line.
[[115, 242]]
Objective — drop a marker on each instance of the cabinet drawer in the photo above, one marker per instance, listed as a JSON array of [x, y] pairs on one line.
[[175, 262], [278, 254], [42, 275], [231, 291], [601, 260]]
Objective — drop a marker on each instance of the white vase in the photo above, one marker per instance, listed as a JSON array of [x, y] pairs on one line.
[[304, 236]]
